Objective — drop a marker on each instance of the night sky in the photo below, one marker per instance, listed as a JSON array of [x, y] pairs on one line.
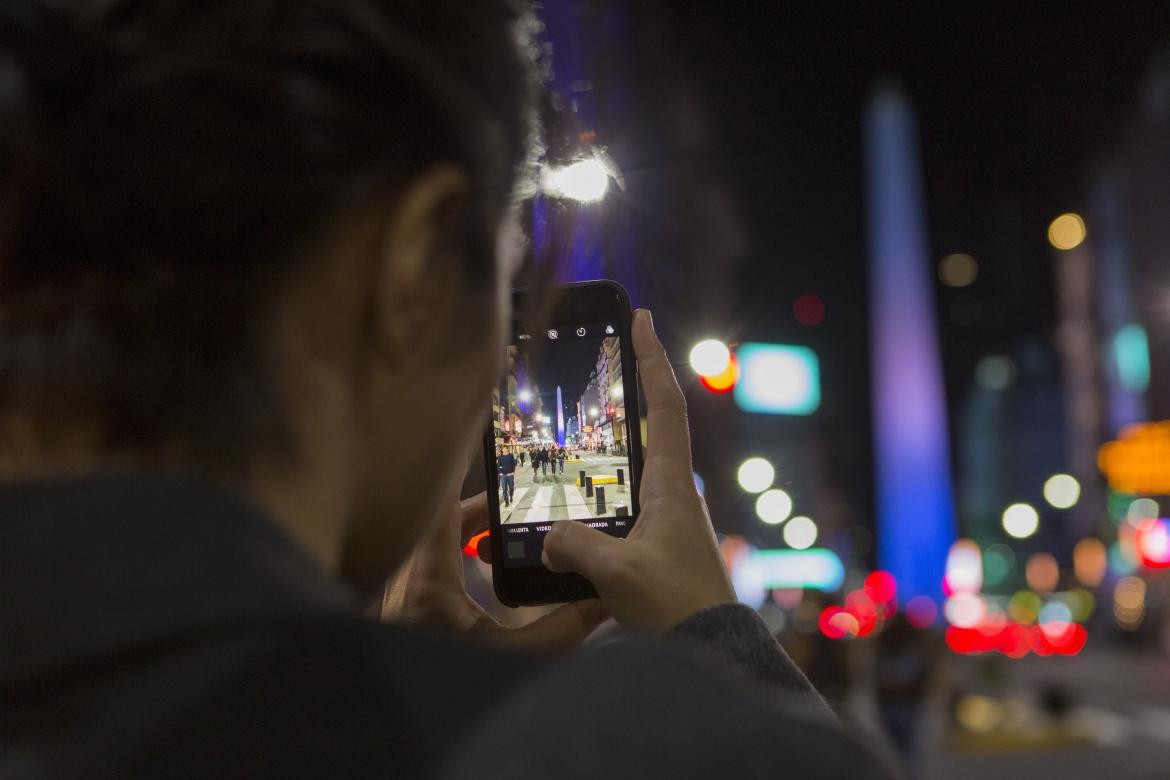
[[1015, 102]]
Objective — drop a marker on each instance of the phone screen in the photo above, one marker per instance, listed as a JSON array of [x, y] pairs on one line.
[[562, 436]]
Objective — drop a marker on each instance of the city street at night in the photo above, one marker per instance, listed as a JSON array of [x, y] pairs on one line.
[[558, 497]]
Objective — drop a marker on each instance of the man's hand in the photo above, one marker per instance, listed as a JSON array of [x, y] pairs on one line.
[[430, 589], [669, 567]]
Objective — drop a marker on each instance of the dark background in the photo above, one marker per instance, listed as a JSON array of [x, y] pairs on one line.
[[742, 124]]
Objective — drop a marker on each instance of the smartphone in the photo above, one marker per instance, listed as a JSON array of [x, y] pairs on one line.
[[564, 442]]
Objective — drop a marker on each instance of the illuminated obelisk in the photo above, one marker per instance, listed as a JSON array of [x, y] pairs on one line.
[[560, 418], [915, 503]]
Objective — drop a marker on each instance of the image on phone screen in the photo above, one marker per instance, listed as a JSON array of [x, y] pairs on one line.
[[562, 437]]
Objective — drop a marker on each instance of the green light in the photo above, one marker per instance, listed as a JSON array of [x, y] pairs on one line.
[[1131, 350], [817, 567], [778, 379]]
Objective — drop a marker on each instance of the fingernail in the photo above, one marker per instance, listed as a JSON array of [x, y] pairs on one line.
[[649, 317]]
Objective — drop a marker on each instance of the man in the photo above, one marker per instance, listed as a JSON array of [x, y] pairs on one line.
[[506, 467], [285, 223]]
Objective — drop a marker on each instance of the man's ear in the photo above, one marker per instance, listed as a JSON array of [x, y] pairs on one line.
[[415, 279]]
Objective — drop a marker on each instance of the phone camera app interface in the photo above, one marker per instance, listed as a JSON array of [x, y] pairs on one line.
[[562, 440]]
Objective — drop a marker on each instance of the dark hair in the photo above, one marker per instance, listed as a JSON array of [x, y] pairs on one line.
[[163, 161]]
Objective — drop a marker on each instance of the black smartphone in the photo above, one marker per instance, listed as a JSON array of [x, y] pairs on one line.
[[564, 442]]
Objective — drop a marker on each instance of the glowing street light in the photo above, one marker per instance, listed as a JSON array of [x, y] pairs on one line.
[[525, 395], [756, 475], [710, 357], [1062, 491], [617, 391], [586, 180], [774, 506], [593, 412], [1020, 520], [800, 533], [1066, 231]]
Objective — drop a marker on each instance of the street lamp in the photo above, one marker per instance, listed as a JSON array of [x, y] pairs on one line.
[[525, 395], [617, 391], [593, 412]]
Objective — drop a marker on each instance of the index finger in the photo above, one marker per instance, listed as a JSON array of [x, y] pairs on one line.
[[666, 407]]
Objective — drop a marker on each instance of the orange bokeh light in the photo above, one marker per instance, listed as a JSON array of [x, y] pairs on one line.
[[723, 381]]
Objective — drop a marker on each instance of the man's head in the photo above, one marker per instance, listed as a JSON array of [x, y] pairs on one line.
[[260, 239]]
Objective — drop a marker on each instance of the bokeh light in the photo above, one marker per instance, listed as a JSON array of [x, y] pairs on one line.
[[998, 562], [774, 506], [1055, 612], [1042, 572], [837, 623], [725, 380], [471, 549], [1020, 520], [1024, 607], [1142, 509], [800, 533], [1062, 491], [1090, 561], [710, 357], [1152, 539], [809, 310], [756, 475], [921, 611], [1066, 231], [881, 587], [995, 373], [778, 379], [958, 270], [964, 569], [1080, 603], [1129, 602], [965, 611], [700, 485]]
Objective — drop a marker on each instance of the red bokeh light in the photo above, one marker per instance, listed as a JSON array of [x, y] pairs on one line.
[[809, 310], [881, 586], [836, 623], [1016, 641], [471, 549], [1152, 540], [725, 380]]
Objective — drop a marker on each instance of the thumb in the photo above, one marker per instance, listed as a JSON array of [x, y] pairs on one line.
[[575, 547]]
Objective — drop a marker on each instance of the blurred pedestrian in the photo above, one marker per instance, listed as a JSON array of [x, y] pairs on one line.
[[506, 466]]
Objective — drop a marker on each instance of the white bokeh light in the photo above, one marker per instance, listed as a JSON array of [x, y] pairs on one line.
[[710, 357], [1062, 491], [774, 506], [800, 533], [1020, 520], [756, 475]]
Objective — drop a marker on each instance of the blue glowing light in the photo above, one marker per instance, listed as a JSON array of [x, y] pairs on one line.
[[916, 516], [777, 379], [560, 418]]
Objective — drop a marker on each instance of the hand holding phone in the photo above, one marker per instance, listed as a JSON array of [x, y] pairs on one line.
[[669, 567]]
